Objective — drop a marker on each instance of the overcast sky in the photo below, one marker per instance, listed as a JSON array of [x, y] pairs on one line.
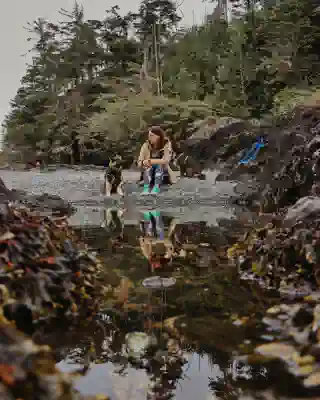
[[16, 13]]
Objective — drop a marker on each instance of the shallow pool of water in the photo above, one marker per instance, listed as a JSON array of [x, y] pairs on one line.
[[210, 297]]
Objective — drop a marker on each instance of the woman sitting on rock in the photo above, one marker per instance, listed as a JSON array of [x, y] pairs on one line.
[[155, 156]]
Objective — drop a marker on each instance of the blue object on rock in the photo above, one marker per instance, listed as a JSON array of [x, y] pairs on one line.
[[252, 153]]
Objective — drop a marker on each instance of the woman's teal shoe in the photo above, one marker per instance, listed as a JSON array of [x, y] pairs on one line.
[[146, 189], [156, 189], [147, 216]]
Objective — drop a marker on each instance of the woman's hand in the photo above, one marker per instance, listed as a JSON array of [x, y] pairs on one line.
[[146, 163]]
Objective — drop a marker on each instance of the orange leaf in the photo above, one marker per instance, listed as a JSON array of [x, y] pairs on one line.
[[48, 260], [6, 374]]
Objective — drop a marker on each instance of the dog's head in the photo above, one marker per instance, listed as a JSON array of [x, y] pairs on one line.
[[115, 163], [114, 167]]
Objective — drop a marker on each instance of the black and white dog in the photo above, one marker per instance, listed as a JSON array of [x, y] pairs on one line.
[[113, 180]]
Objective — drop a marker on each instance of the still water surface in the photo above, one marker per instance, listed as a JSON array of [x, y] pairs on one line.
[[208, 294]]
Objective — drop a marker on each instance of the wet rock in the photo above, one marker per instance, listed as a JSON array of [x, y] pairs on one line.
[[137, 343], [313, 380], [217, 141], [28, 371], [304, 208], [42, 269], [280, 351], [299, 333], [44, 276], [286, 168], [48, 203], [45, 202], [302, 317]]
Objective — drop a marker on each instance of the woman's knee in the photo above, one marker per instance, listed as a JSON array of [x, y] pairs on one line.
[[159, 171], [147, 172]]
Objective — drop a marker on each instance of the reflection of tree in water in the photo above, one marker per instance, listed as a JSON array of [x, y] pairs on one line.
[[227, 385], [106, 343], [207, 299], [102, 340]]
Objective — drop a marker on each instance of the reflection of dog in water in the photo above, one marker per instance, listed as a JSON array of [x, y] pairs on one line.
[[113, 221], [113, 181]]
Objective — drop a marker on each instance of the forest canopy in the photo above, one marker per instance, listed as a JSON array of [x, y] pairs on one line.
[[93, 86]]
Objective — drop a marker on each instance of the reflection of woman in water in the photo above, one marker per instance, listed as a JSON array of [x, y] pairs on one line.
[[156, 249]]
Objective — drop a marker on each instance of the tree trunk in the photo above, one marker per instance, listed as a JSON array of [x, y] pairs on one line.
[[76, 154]]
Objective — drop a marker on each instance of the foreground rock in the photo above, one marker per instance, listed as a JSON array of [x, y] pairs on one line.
[[28, 371], [285, 255], [44, 276], [42, 272], [46, 203], [306, 207]]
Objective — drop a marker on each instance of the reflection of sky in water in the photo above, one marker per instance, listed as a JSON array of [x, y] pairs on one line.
[[195, 384], [100, 379], [93, 216]]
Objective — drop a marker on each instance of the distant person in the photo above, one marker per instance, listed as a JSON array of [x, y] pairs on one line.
[[155, 156], [33, 164]]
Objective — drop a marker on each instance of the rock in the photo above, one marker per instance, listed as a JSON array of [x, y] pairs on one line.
[[280, 351], [46, 202], [137, 343], [188, 166], [218, 142], [30, 370], [212, 127], [313, 380], [5, 193], [314, 145], [304, 208], [285, 169]]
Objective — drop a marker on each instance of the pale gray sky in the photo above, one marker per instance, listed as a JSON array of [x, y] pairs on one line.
[[16, 13]]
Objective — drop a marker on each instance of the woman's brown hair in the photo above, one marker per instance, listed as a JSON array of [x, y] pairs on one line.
[[156, 130]]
